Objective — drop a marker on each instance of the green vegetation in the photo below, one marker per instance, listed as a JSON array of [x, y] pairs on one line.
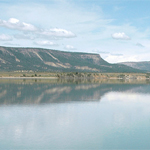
[[77, 75]]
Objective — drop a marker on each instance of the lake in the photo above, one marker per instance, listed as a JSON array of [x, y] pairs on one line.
[[37, 115]]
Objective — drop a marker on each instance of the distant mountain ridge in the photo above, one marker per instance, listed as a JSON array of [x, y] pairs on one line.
[[143, 65], [39, 59]]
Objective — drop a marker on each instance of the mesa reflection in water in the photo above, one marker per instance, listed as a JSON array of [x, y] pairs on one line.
[[26, 92]]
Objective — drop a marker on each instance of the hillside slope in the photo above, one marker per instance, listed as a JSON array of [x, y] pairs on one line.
[[145, 65], [38, 59]]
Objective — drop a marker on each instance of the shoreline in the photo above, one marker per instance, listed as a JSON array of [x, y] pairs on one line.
[[76, 76], [29, 78]]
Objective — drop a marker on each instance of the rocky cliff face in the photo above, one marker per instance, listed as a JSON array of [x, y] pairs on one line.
[[37, 59]]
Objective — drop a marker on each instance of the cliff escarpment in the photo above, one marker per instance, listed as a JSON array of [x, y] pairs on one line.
[[38, 59]]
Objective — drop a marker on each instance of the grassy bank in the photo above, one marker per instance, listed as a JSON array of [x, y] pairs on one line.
[[75, 75]]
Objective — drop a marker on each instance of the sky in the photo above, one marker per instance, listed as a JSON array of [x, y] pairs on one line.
[[118, 30]]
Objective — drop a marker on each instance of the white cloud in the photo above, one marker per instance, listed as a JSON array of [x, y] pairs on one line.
[[14, 23], [69, 47], [120, 36], [4, 37], [56, 32], [46, 43], [121, 58]]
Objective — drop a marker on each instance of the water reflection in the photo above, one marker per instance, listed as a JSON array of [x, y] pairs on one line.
[[70, 119], [27, 92]]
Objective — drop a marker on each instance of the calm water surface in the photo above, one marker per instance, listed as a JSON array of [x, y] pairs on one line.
[[74, 116]]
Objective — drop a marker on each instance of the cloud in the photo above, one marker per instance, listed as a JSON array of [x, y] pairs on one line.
[[24, 36], [120, 36], [14, 23], [45, 43], [4, 37], [116, 54], [139, 45], [57, 32], [69, 47], [121, 58], [99, 51]]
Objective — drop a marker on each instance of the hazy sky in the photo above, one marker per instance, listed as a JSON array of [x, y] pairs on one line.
[[118, 30]]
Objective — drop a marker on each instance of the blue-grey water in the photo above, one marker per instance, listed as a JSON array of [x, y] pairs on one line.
[[37, 116]]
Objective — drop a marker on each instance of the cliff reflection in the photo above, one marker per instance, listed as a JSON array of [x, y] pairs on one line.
[[27, 92]]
